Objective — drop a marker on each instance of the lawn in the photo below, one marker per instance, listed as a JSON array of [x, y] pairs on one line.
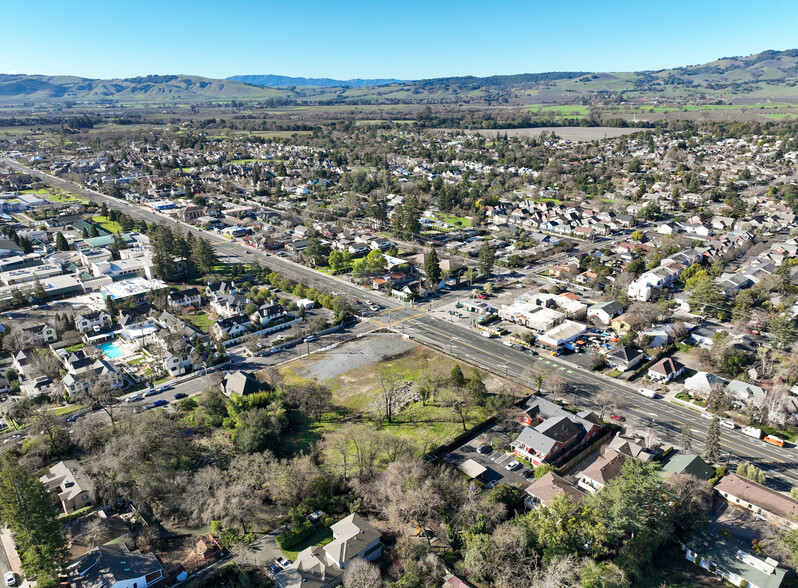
[[321, 537], [458, 221], [62, 410], [200, 320], [107, 224]]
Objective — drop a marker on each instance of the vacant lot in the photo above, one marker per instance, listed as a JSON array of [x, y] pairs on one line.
[[357, 373]]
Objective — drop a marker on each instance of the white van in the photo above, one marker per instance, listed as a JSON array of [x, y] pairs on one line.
[[728, 424], [507, 342], [647, 393], [487, 334]]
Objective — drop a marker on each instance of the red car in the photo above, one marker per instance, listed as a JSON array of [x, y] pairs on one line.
[[481, 296], [616, 417]]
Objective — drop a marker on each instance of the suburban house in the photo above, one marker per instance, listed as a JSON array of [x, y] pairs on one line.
[[604, 312], [665, 370], [228, 305], [38, 335], [86, 321], [688, 464], [69, 487], [114, 566], [601, 471], [702, 382], [322, 567], [763, 502], [741, 393], [232, 327], [239, 383], [554, 433], [38, 386], [624, 358], [543, 490], [83, 377], [267, 313], [620, 325], [724, 558], [175, 365], [184, 298]]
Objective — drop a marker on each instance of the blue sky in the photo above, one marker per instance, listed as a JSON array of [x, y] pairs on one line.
[[409, 40]]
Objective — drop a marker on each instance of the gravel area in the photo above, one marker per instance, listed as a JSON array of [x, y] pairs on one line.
[[353, 355]]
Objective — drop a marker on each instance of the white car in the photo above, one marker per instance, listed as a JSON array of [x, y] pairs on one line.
[[512, 466], [10, 578]]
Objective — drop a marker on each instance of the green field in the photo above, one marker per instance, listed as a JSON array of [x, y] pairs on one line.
[[200, 320], [108, 225], [355, 395], [458, 221]]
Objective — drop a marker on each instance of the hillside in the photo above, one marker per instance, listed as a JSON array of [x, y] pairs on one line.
[[770, 75], [176, 88], [273, 81]]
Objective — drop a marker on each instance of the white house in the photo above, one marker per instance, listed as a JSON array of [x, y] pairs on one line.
[[86, 321]]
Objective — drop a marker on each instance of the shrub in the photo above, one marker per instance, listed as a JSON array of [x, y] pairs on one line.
[[295, 534]]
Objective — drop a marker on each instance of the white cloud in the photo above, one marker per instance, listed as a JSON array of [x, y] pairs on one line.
[[13, 72]]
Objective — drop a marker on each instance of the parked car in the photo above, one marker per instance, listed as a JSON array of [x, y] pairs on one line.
[[152, 392], [484, 449], [158, 403], [133, 398], [311, 339], [481, 296], [10, 578], [512, 466], [180, 395], [283, 562], [274, 569], [616, 417]]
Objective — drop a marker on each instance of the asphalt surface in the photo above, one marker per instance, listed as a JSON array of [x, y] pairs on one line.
[[433, 329]]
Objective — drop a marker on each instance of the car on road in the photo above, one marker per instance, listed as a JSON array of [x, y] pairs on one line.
[[152, 392], [484, 449], [158, 403], [482, 296], [616, 417], [10, 578], [527, 267], [73, 418], [283, 562], [180, 395], [311, 339], [133, 398], [512, 466]]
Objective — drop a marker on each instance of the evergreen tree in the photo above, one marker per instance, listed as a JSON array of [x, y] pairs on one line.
[[26, 507], [712, 445], [84, 232], [708, 299], [457, 378], [61, 242], [117, 245], [486, 259], [686, 440], [161, 247], [203, 256], [38, 291], [432, 267]]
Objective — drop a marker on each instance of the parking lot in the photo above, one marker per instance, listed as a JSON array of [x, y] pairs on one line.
[[743, 525]]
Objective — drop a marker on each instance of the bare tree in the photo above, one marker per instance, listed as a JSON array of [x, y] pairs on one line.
[[461, 402], [555, 384], [607, 400], [361, 574], [43, 361], [310, 398], [718, 399], [95, 532], [389, 385], [99, 394], [13, 340]]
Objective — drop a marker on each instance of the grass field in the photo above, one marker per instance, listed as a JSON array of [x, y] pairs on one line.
[[355, 396], [62, 410], [459, 221], [108, 225]]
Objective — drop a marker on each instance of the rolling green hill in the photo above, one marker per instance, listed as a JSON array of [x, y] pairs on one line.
[[766, 76]]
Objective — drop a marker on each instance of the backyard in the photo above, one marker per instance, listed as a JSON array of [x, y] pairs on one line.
[[107, 224]]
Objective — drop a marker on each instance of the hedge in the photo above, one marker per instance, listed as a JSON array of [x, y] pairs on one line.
[[295, 534]]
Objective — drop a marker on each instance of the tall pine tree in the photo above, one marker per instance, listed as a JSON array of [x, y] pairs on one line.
[[712, 445]]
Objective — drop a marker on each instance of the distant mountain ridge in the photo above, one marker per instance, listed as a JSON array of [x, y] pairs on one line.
[[769, 75], [274, 81]]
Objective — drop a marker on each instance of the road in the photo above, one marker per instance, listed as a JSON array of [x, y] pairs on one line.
[[433, 329]]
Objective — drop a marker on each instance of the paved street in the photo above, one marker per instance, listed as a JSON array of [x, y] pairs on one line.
[[433, 329]]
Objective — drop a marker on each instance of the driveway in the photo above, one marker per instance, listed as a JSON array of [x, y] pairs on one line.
[[262, 552]]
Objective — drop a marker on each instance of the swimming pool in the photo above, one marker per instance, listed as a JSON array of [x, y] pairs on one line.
[[110, 350]]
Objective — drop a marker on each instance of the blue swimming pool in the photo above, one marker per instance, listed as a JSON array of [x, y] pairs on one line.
[[110, 350]]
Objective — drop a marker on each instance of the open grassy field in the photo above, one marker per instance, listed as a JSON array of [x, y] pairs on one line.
[[107, 224], [200, 320], [355, 376]]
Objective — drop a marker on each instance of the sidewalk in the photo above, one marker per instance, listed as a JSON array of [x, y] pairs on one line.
[[13, 559]]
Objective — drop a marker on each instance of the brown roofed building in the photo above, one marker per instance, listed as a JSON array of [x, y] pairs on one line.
[[763, 502], [604, 469], [543, 490]]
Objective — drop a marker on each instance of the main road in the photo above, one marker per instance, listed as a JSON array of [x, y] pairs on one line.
[[668, 420]]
